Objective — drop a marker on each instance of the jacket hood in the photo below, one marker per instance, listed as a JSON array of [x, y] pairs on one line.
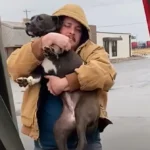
[[74, 11]]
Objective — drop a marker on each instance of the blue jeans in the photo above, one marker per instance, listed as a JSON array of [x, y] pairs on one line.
[[93, 146]]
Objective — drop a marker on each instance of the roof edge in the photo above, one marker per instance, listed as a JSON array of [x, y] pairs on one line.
[[114, 32], [11, 26]]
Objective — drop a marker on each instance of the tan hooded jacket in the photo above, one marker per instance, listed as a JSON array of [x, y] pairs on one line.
[[97, 73]]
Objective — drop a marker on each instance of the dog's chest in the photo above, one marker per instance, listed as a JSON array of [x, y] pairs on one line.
[[49, 66]]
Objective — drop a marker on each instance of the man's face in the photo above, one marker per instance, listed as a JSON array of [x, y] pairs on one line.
[[72, 29]]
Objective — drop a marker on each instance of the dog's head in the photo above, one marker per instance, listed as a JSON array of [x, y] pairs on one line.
[[42, 24]]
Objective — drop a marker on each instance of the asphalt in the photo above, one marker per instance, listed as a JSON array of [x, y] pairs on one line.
[[128, 108]]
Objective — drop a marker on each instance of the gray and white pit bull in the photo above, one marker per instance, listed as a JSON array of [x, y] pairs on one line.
[[81, 109]]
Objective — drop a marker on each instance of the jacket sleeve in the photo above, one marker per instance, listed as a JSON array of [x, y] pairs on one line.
[[24, 60], [97, 73]]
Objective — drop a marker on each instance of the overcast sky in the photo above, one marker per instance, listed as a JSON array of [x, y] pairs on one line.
[[128, 15]]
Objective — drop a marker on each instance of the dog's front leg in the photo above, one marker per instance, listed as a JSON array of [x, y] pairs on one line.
[[25, 82], [33, 78]]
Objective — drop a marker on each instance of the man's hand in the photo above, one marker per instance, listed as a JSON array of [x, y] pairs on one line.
[[58, 39], [57, 85]]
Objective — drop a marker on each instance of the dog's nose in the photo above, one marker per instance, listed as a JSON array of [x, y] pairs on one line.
[[27, 23]]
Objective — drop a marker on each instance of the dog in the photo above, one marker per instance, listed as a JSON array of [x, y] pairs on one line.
[[81, 109]]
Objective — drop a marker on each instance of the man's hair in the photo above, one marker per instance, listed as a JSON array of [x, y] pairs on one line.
[[84, 35]]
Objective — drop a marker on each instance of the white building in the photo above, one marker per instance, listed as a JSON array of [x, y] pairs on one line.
[[118, 45]]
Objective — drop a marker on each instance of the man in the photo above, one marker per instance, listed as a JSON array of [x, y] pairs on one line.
[[41, 106]]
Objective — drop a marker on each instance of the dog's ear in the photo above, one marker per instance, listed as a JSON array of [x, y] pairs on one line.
[[55, 19]]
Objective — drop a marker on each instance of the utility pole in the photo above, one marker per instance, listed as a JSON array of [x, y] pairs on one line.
[[26, 12]]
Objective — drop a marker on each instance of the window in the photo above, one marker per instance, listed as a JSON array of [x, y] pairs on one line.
[[114, 48], [106, 46]]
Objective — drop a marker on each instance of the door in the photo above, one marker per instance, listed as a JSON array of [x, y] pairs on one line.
[[114, 48]]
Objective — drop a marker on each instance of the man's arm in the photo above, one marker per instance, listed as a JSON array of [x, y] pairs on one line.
[[24, 60], [97, 73]]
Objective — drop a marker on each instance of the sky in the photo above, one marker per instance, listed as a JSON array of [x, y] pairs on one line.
[[125, 16]]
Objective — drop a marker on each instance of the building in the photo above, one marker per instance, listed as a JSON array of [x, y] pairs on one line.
[[118, 45], [13, 36]]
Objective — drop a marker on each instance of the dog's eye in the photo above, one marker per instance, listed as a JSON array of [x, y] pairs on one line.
[[39, 18], [32, 18]]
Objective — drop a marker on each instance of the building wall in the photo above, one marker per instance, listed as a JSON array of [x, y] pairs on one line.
[[123, 46], [93, 33], [7, 36], [13, 37]]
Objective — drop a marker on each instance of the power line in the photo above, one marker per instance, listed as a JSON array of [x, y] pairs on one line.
[[115, 25], [26, 12], [103, 4]]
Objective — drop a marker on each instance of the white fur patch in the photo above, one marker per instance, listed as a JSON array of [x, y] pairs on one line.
[[32, 81], [48, 66], [71, 107]]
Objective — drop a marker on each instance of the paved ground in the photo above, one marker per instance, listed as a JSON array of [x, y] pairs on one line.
[[128, 108]]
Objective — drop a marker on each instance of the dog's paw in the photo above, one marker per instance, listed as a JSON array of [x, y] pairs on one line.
[[25, 82], [47, 51], [22, 81]]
